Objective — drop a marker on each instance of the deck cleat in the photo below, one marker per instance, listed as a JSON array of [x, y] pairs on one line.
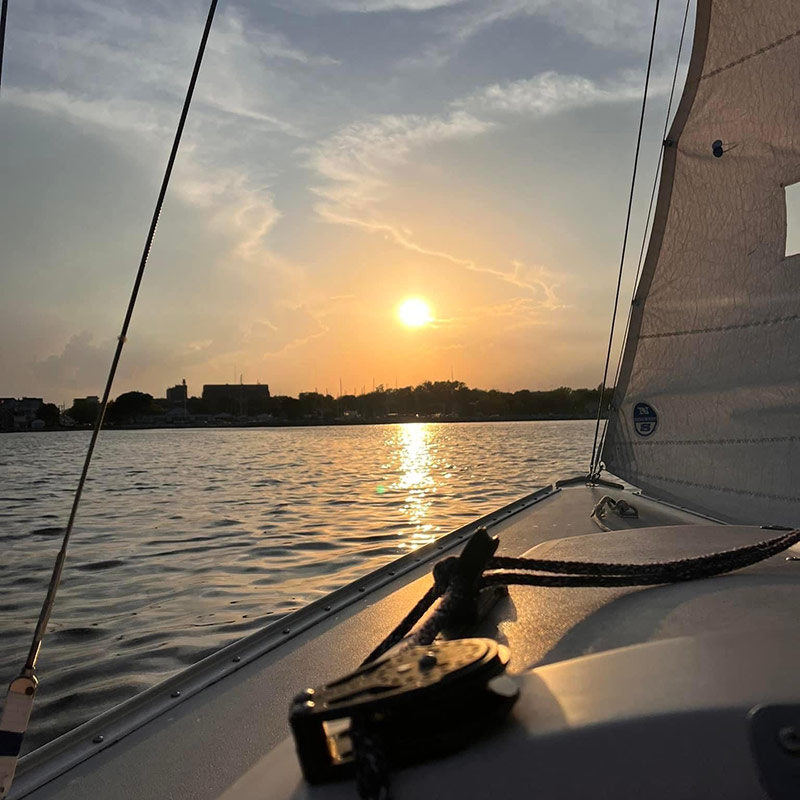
[[423, 702]]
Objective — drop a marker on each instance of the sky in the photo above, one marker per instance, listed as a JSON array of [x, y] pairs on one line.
[[340, 157]]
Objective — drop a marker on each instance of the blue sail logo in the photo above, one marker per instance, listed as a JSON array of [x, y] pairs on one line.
[[645, 419]]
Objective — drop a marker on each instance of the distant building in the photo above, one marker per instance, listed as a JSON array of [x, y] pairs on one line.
[[178, 394], [18, 415], [89, 400], [238, 399], [7, 405]]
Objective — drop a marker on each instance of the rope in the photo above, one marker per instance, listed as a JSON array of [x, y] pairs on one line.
[[506, 571], [656, 178], [595, 456], [527, 571], [597, 573], [407, 623], [372, 767], [457, 575]]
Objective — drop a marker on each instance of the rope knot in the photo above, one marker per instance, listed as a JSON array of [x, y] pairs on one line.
[[461, 573], [443, 572], [459, 579]]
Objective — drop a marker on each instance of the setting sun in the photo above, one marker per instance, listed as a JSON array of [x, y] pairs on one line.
[[414, 312]]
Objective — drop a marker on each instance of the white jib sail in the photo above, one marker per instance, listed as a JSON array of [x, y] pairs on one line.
[[707, 411]]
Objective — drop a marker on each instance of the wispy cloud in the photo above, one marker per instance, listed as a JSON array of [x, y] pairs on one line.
[[621, 27], [357, 162], [355, 159], [121, 74], [534, 279], [551, 93], [610, 23], [613, 24], [290, 327], [372, 6], [237, 206], [511, 314], [360, 161]]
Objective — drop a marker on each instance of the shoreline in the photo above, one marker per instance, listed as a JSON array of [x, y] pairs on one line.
[[310, 423]]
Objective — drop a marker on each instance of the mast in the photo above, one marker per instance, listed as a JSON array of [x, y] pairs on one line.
[[705, 410]]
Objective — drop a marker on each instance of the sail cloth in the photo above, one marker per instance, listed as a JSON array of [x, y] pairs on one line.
[[707, 409]]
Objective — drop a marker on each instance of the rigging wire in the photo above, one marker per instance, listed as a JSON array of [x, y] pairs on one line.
[[656, 181], [661, 150], [3, 16], [593, 462], [14, 732], [47, 607]]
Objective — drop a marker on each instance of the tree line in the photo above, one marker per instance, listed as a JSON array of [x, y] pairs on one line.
[[428, 400]]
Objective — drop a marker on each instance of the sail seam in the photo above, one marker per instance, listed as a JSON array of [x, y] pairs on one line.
[[761, 50], [724, 489], [765, 440], [722, 328]]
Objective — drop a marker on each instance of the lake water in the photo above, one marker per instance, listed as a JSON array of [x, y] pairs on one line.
[[187, 540]]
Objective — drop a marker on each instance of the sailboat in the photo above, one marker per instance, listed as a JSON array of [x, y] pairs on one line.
[[652, 648]]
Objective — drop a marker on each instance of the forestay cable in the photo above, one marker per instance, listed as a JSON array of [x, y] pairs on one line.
[[19, 699], [595, 455], [656, 177], [3, 17]]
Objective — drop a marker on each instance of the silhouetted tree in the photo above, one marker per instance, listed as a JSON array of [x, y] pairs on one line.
[[84, 412], [132, 405], [49, 414], [455, 400]]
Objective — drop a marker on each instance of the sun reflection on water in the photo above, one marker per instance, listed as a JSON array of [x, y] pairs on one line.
[[414, 445]]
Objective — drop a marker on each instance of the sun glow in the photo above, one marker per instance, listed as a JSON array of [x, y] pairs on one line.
[[414, 312]]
